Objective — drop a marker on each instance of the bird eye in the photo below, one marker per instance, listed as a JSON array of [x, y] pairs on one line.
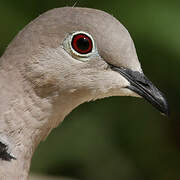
[[82, 43]]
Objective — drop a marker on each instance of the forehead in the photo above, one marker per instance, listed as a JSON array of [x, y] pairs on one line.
[[77, 19]]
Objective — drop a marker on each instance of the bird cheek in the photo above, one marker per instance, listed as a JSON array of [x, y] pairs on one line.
[[109, 83]]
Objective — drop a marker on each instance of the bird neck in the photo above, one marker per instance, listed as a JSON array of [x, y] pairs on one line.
[[25, 121]]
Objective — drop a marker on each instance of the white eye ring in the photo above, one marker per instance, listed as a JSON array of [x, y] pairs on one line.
[[81, 54]]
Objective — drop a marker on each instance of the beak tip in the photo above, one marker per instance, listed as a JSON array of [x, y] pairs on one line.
[[165, 112], [163, 105], [165, 109]]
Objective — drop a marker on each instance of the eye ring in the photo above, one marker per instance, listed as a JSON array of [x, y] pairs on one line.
[[82, 43], [80, 53]]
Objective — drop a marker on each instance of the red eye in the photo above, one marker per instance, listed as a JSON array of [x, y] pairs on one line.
[[82, 43]]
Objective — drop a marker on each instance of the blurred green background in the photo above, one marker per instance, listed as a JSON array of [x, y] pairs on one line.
[[119, 137]]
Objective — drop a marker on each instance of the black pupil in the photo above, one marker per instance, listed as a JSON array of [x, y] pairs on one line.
[[82, 44]]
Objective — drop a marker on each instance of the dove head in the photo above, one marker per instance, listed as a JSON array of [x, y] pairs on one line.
[[78, 55]]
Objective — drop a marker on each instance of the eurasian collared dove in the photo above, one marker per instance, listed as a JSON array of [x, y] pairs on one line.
[[65, 57]]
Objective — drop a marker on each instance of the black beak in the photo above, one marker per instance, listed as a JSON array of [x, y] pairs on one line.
[[141, 85]]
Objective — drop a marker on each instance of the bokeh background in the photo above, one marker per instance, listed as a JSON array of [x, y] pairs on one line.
[[119, 137]]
